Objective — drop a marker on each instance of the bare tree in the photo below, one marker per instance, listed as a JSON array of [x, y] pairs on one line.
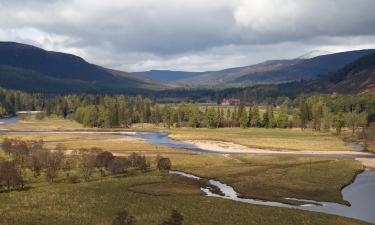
[[87, 165], [10, 175], [138, 162], [7, 145], [54, 161], [103, 160], [118, 165], [164, 164], [38, 161]]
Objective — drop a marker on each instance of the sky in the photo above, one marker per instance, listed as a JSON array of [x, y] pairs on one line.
[[190, 35]]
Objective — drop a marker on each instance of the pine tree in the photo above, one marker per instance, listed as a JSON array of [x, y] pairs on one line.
[[244, 120], [255, 118]]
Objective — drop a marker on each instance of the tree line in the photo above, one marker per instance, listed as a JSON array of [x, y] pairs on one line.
[[81, 164], [319, 112]]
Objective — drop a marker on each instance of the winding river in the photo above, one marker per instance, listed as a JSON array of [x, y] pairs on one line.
[[360, 194]]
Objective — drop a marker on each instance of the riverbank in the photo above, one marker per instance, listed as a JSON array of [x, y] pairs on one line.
[[264, 177], [263, 138], [367, 159]]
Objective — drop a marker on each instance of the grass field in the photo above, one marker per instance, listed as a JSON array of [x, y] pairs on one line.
[[275, 178], [49, 123], [120, 145], [151, 196], [97, 202], [277, 139]]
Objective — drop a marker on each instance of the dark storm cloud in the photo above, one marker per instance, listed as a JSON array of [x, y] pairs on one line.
[[193, 34]]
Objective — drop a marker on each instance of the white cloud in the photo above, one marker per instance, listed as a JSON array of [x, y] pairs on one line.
[[188, 35]]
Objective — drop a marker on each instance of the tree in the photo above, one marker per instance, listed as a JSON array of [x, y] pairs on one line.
[[211, 118], [269, 118], [164, 164], [175, 219], [123, 218], [102, 161], [10, 175], [53, 164], [241, 110], [317, 114], [194, 119], [244, 119], [87, 164], [68, 164], [282, 120], [228, 118], [304, 112], [339, 122], [326, 119], [118, 165], [255, 118], [138, 162], [38, 161], [7, 145], [355, 119]]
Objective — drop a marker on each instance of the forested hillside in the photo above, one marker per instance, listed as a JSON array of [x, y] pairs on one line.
[[28, 68]]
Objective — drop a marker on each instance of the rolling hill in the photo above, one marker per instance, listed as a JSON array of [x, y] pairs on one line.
[[356, 77], [269, 72], [25, 67]]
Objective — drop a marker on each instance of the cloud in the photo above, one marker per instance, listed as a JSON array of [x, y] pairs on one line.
[[194, 34]]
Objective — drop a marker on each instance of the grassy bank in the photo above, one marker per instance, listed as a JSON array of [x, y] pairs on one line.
[[120, 145], [275, 178], [151, 196], [48, 123], [97, 202], [277, 139]]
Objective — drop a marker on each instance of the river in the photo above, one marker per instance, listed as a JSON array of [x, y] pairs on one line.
[[360, 194]]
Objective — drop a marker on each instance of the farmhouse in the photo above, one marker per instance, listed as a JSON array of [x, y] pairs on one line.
[[230, 102]]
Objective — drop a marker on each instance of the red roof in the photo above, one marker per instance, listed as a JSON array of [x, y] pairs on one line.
[[231, 100]]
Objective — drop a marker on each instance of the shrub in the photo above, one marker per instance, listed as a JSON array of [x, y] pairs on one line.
[[175, 219], [118, 165], [73, 179], [164, 164], [123, 218]]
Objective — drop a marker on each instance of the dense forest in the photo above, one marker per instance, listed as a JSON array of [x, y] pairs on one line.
[[318, 112]]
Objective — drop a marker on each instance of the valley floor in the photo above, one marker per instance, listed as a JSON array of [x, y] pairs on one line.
[[152, 195]]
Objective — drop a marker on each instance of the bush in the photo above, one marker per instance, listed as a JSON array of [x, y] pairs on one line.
[[73, 179], [175, 219], [164, 164], [118, 165], [123, 218]]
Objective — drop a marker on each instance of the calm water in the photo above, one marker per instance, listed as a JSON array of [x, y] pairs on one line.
[[360, 194], [10, 120]]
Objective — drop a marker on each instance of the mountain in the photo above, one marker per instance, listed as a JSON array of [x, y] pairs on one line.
[[29, 68], [168, 76], [356, 77], [275, 71]]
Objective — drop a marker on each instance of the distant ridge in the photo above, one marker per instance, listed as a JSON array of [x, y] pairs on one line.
[[268, 72], [29, 68], [356, 77]]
